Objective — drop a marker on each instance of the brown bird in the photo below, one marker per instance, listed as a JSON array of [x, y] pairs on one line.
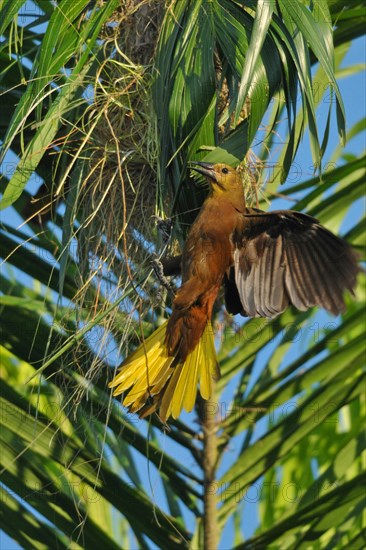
[[266, 261]]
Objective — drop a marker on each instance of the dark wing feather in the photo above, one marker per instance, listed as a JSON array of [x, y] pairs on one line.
[[286, 257], [232, 298]]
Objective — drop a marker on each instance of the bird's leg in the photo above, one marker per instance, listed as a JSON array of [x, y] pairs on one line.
[[158, 267], [167, 267]]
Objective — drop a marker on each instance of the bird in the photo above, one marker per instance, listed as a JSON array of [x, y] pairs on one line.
[[266, 262]]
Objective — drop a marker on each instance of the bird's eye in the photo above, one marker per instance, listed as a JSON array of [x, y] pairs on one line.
[[225, 171]]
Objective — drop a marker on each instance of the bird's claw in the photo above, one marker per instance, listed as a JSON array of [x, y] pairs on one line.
[[159, 272]]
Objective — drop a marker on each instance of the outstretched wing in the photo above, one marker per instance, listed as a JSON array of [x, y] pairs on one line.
[[286, 257]]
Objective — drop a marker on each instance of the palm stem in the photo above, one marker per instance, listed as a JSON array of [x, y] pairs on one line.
[[209, 464]]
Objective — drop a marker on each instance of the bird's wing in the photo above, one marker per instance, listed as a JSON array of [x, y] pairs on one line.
[[286, 257]]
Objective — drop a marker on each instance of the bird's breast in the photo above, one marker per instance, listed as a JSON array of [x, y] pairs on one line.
[[208, 251]]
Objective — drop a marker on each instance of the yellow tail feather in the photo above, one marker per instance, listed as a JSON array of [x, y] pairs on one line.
[[155, 380]]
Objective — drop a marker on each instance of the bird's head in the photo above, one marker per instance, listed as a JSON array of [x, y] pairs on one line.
[[222, 178]]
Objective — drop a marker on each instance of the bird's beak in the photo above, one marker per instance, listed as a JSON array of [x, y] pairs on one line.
[[204, 168]]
